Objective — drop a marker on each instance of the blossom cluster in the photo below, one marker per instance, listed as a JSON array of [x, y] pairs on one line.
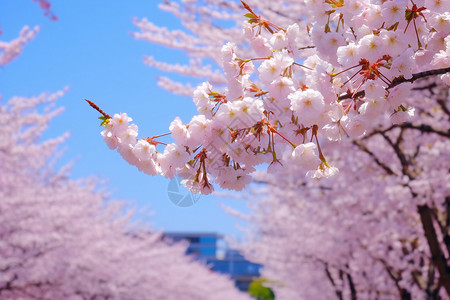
[[75, 242], [366, 223], [66, 239], [10, 50], [356, 70]]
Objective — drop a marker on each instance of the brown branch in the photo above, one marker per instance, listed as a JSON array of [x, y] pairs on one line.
[[422, 128], [442, 100], [443, 106], [416, 76], [306, 47], [352, 287], [330, 277], [437, 255], [446, 228], [385, 167], [396, 277], [377, 131], [428, 87], [401, 157], [398, 142], [425, 128], [398, 80], [360, 94], [95, 106]]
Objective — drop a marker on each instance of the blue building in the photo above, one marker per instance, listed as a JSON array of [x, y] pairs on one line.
[[212, 249]]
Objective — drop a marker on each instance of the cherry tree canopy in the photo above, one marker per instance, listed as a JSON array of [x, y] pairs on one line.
[[207, 26], [62, 238], [379, 230], [313, 87], [292, 87]]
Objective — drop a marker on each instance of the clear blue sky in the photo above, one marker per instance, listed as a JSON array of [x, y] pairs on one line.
[[89, 49]]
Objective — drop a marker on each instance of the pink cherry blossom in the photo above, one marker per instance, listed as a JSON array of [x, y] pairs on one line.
[[336, 69]]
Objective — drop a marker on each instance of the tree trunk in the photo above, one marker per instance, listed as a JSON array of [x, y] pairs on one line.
[[437, 255]]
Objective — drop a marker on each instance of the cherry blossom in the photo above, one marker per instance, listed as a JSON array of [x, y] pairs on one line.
[[10, 50], [373, 231], [66, 239], [271, 104], [352, 94]]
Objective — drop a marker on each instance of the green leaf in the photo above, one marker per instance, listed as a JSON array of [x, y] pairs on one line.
[[409, 15], [394, 27], [402, 108], [250, 15], [105, 120]]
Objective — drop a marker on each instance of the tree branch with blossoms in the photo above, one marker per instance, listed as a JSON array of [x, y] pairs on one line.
[[279, 114], [385, 215], [358, 79], [428, 211]]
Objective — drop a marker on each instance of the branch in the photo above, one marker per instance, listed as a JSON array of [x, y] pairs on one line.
[[419, 75], [359, 94], [428, 87], [424, 128], [95, 106], [400, 155], [442, 100], [330, 277], [352, 287], [446, 228], [437, 255], [441, 103], [396, 277], [385, 167], [397, 81]]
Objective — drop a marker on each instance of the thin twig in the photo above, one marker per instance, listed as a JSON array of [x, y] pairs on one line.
[[95, 106]]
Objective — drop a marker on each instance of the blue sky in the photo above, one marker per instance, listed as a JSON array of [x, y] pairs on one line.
[[90, 49]]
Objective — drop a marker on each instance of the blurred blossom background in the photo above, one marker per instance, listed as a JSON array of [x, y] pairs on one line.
[[90, 49]]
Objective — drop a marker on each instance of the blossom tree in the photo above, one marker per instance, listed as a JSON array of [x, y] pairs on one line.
[[64, 239], [380, 229], [208, 25], [363, 87], [355, 69], [10, 50]]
